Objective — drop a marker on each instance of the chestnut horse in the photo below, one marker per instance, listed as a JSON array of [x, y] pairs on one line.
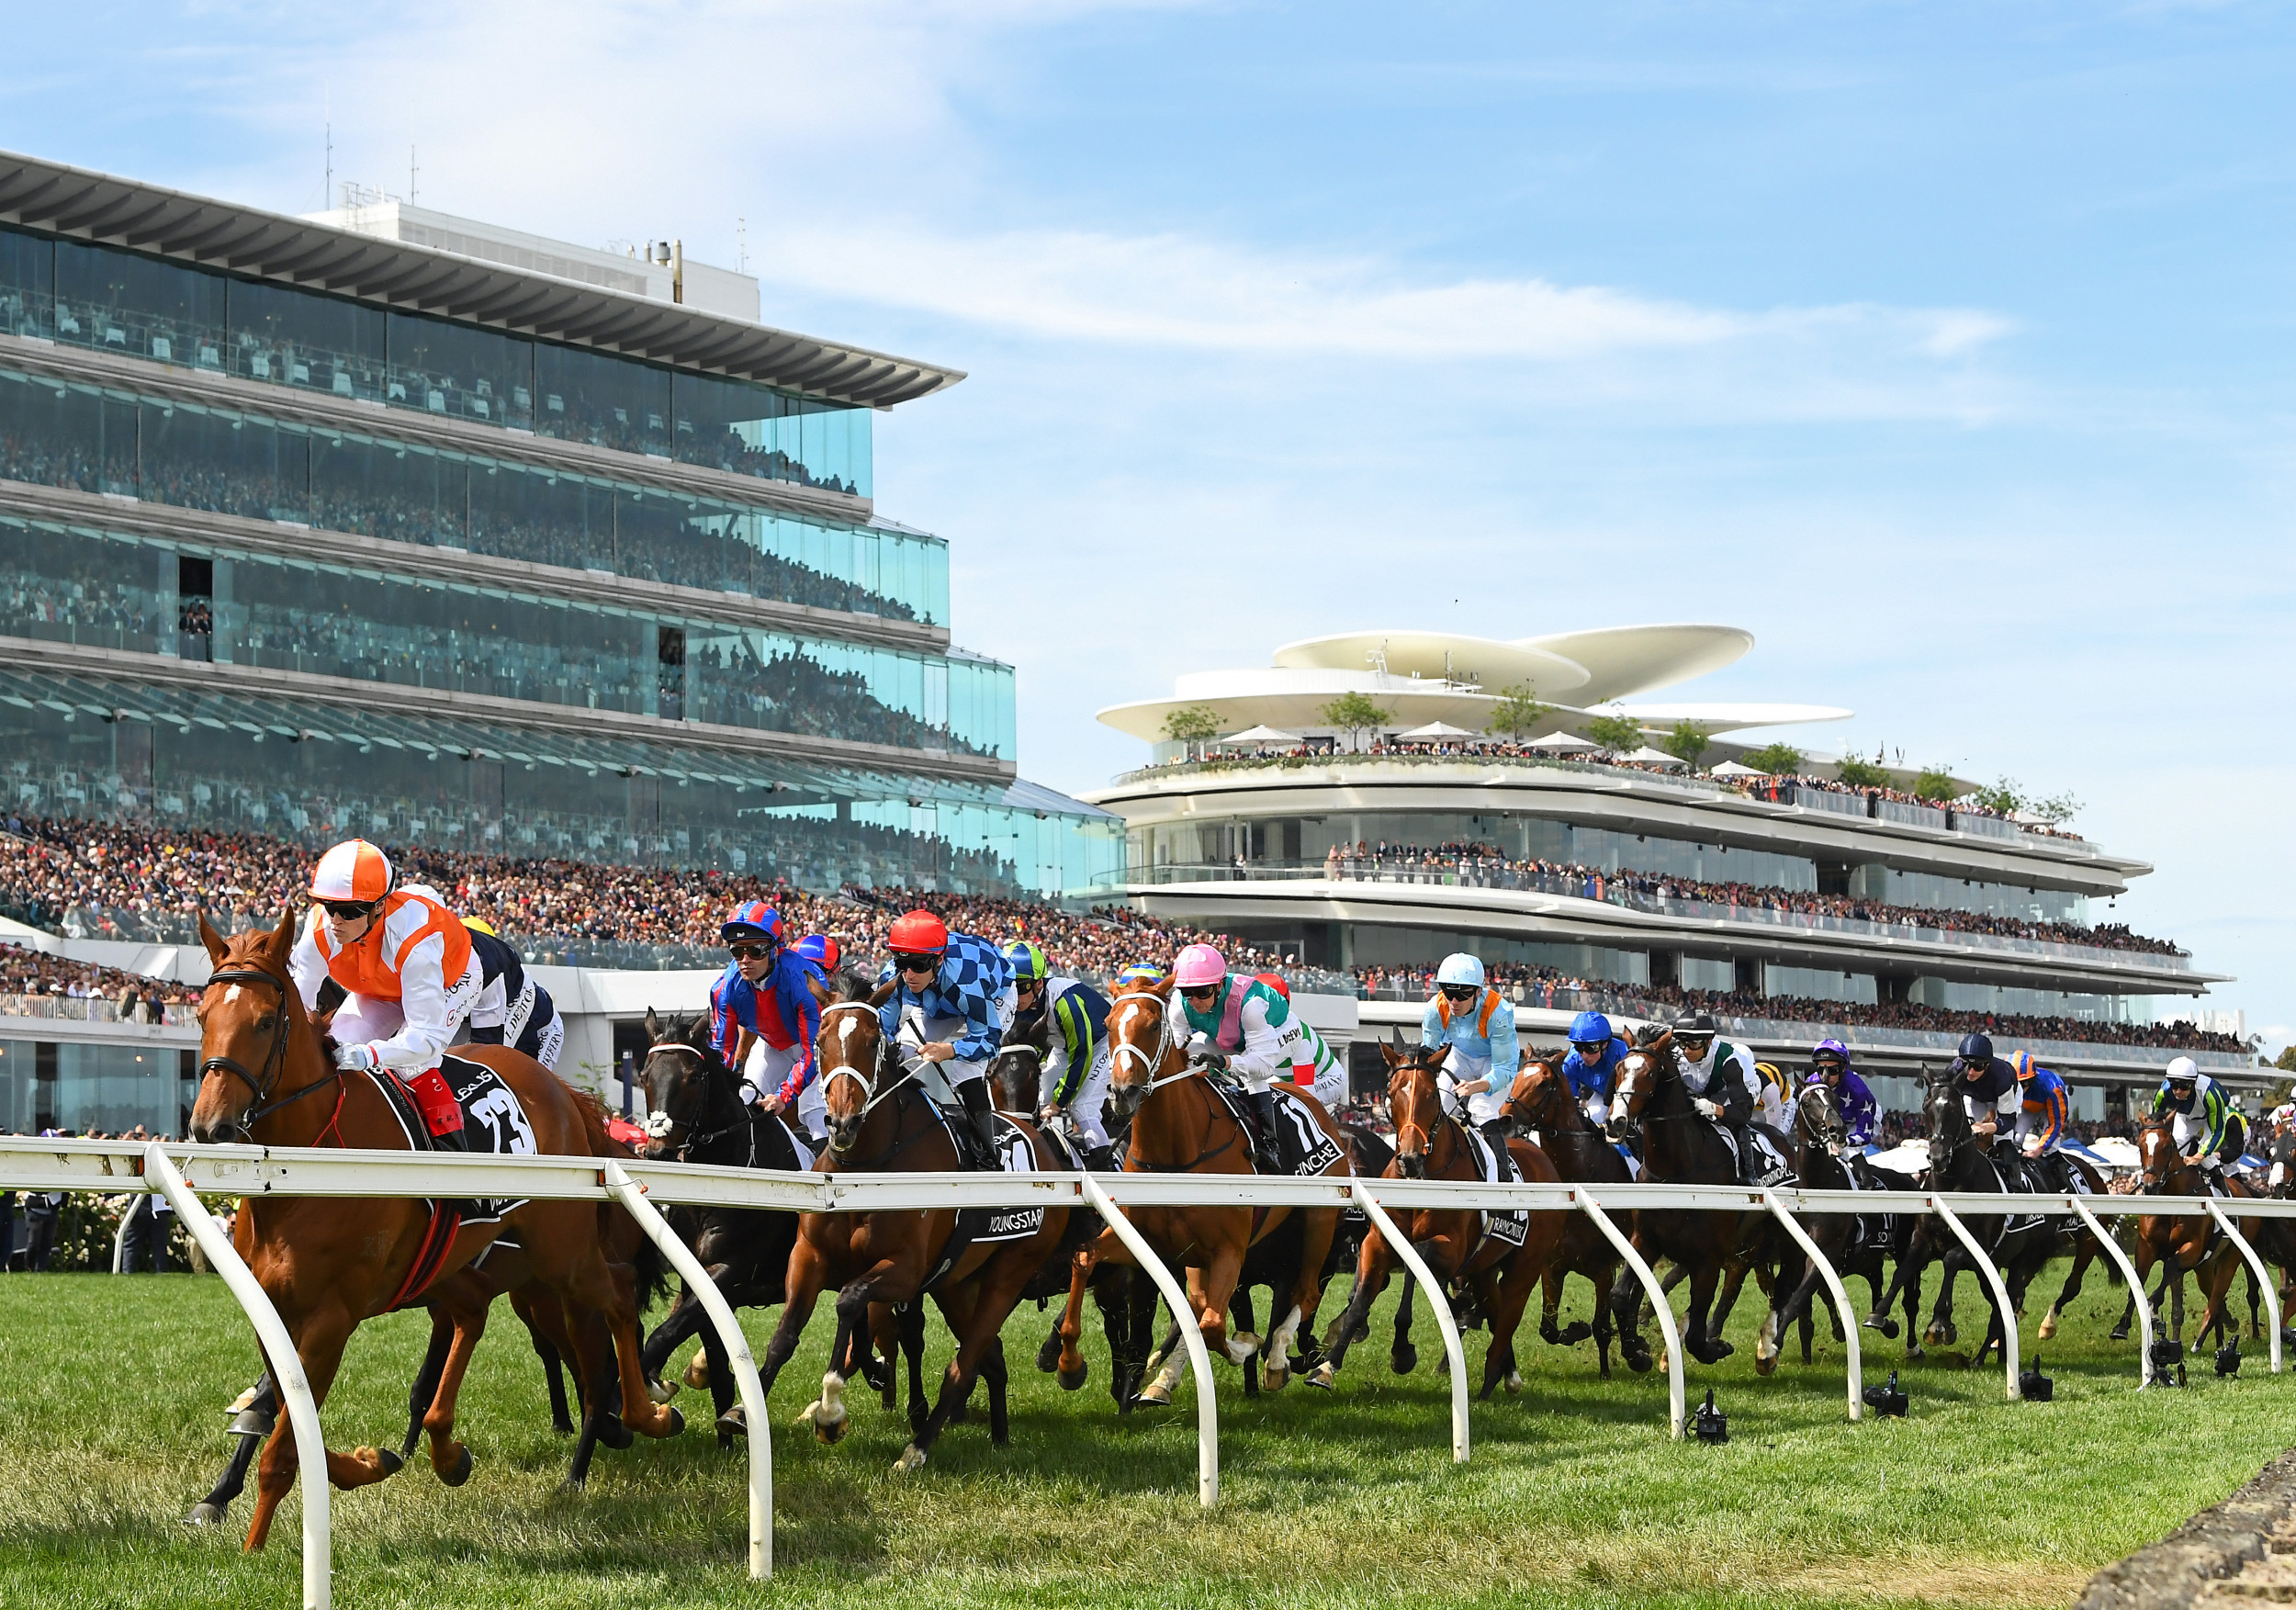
[[1540, 1102], [880, 1120], [329, 1263], [1181, 1126], [1432, 1144], [2189, 1244]]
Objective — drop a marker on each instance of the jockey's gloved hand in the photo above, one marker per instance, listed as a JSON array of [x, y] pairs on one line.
[[1707, 1108], [357, 1058]]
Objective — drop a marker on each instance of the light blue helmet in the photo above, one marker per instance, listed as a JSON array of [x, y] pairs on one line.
[[1459, 967], [1590, 1029]]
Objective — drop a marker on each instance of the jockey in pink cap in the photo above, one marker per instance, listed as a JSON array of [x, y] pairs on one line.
[[1238, 1024]]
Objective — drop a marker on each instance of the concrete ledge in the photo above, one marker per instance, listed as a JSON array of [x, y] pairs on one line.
[[2221, 1556]]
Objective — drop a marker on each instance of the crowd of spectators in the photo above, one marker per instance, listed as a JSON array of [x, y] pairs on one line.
[[25, 972], [1481, 865], [1941, 1019]]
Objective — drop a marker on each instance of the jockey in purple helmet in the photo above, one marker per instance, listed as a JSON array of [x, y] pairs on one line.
[[1861, 1115]]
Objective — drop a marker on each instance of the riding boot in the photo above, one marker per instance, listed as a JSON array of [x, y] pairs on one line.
[[1749, 1159], [1261, 1105], [449, 1140], [981, 1121], [1495, 1133]]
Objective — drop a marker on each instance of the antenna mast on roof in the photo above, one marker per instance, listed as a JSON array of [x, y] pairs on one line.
[[330, 114], [412, 171]]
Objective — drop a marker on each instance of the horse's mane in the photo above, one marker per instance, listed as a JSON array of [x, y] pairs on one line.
[[849, 986]]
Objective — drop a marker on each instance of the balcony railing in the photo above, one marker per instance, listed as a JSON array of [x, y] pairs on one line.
[[93, 1009], [1692, 910]]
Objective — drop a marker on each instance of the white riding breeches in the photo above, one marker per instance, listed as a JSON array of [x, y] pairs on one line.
[[1462, 1068], [957, 1070], [768, 1067], [1091, 1096]]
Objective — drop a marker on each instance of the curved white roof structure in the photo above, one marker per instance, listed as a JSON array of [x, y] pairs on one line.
[[1420, 677]]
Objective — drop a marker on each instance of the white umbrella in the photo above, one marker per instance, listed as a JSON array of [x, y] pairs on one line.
[[1560, 740], [1650, 757], [1732, 769], [1261, 735], [1436, 729]]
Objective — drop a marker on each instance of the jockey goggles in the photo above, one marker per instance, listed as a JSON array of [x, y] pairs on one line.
[[745, 950], [1460, 991], [1199, 991], [348, 910], [917, 961]]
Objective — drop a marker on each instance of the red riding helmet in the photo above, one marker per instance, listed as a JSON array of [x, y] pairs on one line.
[[919, 933]]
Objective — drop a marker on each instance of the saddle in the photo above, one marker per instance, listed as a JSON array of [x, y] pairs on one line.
[[1301, 1146], [1768, 1168], [1495, 1166], [1017, 1153]]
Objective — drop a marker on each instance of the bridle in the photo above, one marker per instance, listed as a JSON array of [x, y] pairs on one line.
[[2153, 1182], [1829, 1129], [1426, 1139], [868, 1081], [721, 1079], [1167, 1041], [275, 1060]]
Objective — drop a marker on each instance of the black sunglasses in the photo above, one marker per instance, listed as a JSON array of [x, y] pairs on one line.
[[1459, 992], [752, 952], [915, 964], [346, 911], [1193, 990]]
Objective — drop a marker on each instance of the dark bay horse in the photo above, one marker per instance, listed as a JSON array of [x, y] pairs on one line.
[[881, 1121], [1679, 1147], [695, 1114], [327, 1263], [1815, 1138], [1960, 1161], [1433, 1145], [1540, 1103], [1180, 1126]]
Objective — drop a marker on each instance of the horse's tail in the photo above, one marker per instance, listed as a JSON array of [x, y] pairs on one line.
[[649, 1268]]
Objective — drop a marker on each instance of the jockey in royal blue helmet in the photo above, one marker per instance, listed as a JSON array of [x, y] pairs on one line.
[[764, 995], [1592, 1065]]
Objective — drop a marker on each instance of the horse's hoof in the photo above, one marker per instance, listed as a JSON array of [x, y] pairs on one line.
[[2119, 1334], [1274, 1379], [2048, 1328], [252, 1423], [1362, 1332], [1915, 1350], [1513, 1382], [1154, 1395], [830, 1433], [672, 1424], [574, 1486], [612, 1432], [1638, 1362], [733, 1422], [244, 1400], [698, 1371], [461, 1472], [1320, 1378], [912, 1459], [1048, 1357], [662, 1391], [204, 1514], [1571, 1334], [1403, 1360], [1071, 1383], [391, 1463], [1763, 1366]]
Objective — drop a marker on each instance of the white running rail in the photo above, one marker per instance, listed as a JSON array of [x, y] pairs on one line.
[[182, 1172]]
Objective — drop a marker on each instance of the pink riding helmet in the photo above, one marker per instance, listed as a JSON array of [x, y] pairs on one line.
[[1199, 966]]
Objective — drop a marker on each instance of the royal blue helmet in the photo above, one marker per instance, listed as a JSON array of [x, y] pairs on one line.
[[1590, 1029]]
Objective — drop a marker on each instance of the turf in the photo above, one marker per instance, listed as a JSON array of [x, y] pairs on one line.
[[111, 1427]]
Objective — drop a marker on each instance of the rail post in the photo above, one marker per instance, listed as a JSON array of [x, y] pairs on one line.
[[1676, 1395], [286, 1368], [1198, 1355], [1841, 1296], [1452, 1349], [1983, 1260], [2113, 1250], [2263, 1278], [631, 1194]]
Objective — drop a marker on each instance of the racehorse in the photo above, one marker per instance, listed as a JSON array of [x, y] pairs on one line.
[[329, 1263], [880, 1120], [1540, 1102], [1460, 1243], [1815, 1137], [695, 1114], [2189, 1245], [2020, 1246], [1180, 1125], [1678, 1147]]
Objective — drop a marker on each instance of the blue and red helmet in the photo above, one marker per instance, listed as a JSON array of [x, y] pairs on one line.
[[820, 950], [754, 922]]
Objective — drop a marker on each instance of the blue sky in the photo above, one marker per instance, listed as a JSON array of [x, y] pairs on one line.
[[1946, 348]]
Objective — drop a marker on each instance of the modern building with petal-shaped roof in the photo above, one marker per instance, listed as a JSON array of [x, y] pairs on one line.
[[1380, 847]]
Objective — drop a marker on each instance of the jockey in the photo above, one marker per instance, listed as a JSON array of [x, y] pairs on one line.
[[2045, 1116], [1592, 1067], [1074, 1078], [1477, 1022], [764, 995], [406, 965], [511, 1008], [1315, 1066], [1723, 1084], [821, 956], [2207, 1129], [961, 989], [1860, 1114], [1240, 1025], [1770, 1087], [1988, 1087]]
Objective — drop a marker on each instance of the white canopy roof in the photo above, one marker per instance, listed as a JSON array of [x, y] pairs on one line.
[[1261, 735], [1732, 769], [1650, 757], [1437, 729], [1560, 740]]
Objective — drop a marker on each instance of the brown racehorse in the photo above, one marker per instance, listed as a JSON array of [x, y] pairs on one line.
[[329, 1263], [1432, 1144], [2188, 1245], [881, 1121], [1181, 1126], [1540, 1103]]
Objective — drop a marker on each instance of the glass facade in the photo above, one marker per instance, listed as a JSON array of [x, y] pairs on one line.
[[96, 439], [51, 1085], [72, 747], [113, 300], [116, 591]]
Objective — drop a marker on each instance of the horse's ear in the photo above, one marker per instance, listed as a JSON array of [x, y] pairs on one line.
[[218, 946], [282, 939], [883, 991], [653, 1027]]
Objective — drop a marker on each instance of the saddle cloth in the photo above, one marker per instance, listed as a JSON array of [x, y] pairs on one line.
[[1497, 1167], [494, 1122], [1775, 1169], [1301, 1146]]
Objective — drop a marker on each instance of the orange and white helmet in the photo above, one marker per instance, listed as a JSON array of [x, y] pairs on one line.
[[355, 871]]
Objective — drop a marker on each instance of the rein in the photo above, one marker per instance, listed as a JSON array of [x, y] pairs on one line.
[[1166, 1043], [868, 1082], [275, 1060], [722, 1081]]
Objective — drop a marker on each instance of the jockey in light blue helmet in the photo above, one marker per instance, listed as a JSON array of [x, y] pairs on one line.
[[1592, 1065], [1478, 1023]]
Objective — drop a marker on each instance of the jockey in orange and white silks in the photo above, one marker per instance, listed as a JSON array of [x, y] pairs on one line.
[[407, 969]]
